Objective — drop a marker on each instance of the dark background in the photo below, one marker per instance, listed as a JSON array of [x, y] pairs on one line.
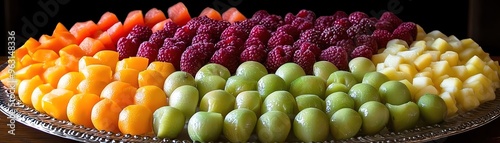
[[461, 18]]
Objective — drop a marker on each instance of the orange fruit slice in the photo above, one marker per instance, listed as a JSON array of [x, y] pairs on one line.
[[80, 107], [55, 103], [104, 115], [135, 120], [151, 96], [120, 92]]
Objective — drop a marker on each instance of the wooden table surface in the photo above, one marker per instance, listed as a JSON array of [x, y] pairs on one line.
[[489, 133]]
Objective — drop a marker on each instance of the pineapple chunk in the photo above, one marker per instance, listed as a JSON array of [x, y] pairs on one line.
[[451, 57], [451, 84], [455, 43], [394, 49], [423, 61], [429, 41], [437, 81], [380, 66], [451, 104], [479, 90], [441, 45], [408, 69], [466, 43], [410, 86], [466, 54], [476, 61], [379, 58], [440, 68], [460, 72], [437, 34], [424, 74], [393, 61], [436, 55], [408, 56], [430, 89], [403, 75], [390, 72], [473, 70], [420, 33], [478, 78], [419, 46], [493, 65], [397, 42], [421, 82], [482, 86], [465, 99]]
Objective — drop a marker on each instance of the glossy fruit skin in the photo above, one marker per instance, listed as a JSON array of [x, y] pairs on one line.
[[404, 116], [342, 77], [289, 72], [362, 93], [309, 125], [252, 70], [239, 125], [280, 101], [359, 66], [205, 126], [345, 123], [270, 83], [308, 85], [433, 109], [375, 79], [184, 99], [375, 117], [168, 122], [394, 92], [309, 101], [337, 101], [213, 69], [273, 126], [219, 101], [323, 69], [177, 79], [237, 84], [250, 100]]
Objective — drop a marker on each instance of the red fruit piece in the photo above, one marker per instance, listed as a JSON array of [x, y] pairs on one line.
[[169, 42], [343, 22], [367, 40], [323, 22], [235, 41], [382, 37], [289, 17], [305, 58], [409, 27], [254, 53], [158, 37], [362, 51], [260, 32], [336, 55], [259, 15], [148, 50], [272, 22], [347, 44], [385, 25], [247, 24], [234, 30], [311, 47], [312, 35], [403, 34], [171, 54], [192, 59], [279, 39], [302, 24], [185, 33], [227, 57], [391, 18], [356, 17], [170, 27], [332, 35], [307, 14], [127, 47], [276, 58], [289, 51], [141, 32], [208, 29], [253, 41], [203, 38], [340, 14], [290, 30]]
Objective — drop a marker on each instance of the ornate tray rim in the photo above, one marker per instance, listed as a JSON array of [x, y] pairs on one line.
[[463, 122]]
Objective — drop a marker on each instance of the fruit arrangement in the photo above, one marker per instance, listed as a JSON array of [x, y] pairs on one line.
[[297, 77]]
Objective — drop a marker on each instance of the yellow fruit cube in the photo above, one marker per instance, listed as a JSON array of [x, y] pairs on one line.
[[476, 61], [451, 84], [460, 72], [441, 45], [455, 43], [465, 99], [409, 86], [423, 61], [398, 42], [437, 81], [395, 48], [466, 54], [440, 68], [419, 46], [473, 70], [421, 82], [437, 34], [393, 61], [379, 58], [430, 89], [390, 72], [408, 69], [424, 74], [436, 55], [451, 57], [86, 61], [420, 33], [408, 56], [451, 104]]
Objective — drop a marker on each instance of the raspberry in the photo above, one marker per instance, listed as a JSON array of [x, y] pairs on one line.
[[336, 55], [333, 34], [302, 24], [356, 17], [339, 15], [127, 47], [234, 30], [400, 33], [299, 42], [254, 53], [231, 41], [289, 51], [290, 30], [355, 30], [362, 51], [323, 22], [247, 24], [194, 57], [272, 22], [382, 37], [259, 15], [221, 26], [171, 54], [158, 37], [170, 27], [347, 44], [343, 22], [276, 58], [260, 32], [203, 38], [227, 57], [385, 25], [307, 14], [410, 27], [311, 47], [305, 58], [253, 41], [148, 50], [185, 34], [367, 23], [208, 29], [289, 17], [391, 18], [312, 35], [141, 32], [279, 39], [368, 41], [168, 42]]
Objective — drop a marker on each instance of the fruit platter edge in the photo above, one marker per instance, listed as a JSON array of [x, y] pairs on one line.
[[11, 106]]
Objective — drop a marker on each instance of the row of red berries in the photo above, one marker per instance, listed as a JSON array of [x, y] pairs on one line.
[[267, 38]]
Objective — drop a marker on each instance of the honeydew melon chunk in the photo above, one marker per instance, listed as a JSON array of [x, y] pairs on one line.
[[450, 102], [466, 100], [423, 61], [393, 61], [441, 45], [451, 57]]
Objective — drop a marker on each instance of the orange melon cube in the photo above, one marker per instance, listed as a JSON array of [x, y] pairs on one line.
[[30, 71], [81, 30], [43, 55], [138, 63], [153, 16], [55, 103], [53, 74], [116, 32], [160, 25], [108, 57], [134, 17], [107, 20], [91, 46], [86, 61]]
